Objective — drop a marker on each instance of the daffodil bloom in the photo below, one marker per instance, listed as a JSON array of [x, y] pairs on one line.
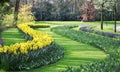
[[40, 40]]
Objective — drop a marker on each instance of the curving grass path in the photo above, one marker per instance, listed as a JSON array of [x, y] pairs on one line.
[[75, 54], [12, 36]]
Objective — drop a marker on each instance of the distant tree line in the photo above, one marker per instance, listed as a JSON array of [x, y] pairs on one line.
[[86, 10], [61, 10]]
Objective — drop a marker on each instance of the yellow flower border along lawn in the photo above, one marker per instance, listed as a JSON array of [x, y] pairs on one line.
[[38, 51], [40, 40]]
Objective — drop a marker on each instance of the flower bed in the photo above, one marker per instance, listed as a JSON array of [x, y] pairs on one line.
[[39, 50], [110, 46], [87, 29]]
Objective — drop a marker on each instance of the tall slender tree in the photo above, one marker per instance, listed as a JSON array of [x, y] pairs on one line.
[[115, 11], [4, 9], [16, 11], [114, 4], [101, 5]]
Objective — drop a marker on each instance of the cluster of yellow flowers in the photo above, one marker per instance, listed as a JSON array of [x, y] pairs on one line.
[[40, 40]]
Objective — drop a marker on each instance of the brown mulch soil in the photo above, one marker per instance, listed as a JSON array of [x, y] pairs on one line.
[[1, 40]]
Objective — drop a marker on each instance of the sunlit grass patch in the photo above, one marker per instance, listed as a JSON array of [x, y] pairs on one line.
[[12, 36]]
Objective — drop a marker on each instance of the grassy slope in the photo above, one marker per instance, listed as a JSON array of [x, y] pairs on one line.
[[107, 28], [76, 22], [75, 54], [108, 25], [12, 36]]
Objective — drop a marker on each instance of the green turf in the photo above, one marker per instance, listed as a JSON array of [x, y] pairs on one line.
[[108, 25], [106, 28], [75, 54], [12, 36], [75, 22]]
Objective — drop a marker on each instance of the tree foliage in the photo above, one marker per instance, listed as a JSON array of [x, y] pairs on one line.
[[88, 10], [25, 15], [4, 10]]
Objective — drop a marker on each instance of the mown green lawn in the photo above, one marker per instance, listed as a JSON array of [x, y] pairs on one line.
[[75, 53], [12, 36], [106, 28], [108, 25], [75, 22]]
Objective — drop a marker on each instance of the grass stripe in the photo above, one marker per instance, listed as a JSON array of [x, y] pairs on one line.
[[75, 54], [12, 36]]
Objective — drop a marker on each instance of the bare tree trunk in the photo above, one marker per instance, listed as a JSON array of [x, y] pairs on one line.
[[26, 2], [115, 10], [41, 16], [112, 15], [102, 18], [16, 12]]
